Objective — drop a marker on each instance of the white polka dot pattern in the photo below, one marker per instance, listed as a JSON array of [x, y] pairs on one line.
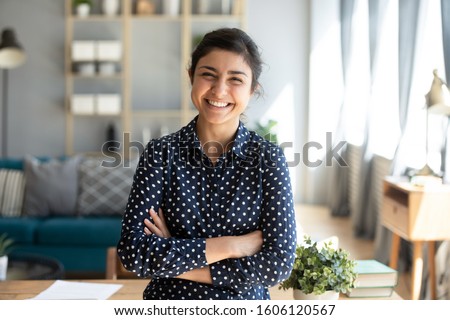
[[247, 189]]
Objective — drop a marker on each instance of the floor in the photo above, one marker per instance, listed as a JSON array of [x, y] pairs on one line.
[[319, 224]]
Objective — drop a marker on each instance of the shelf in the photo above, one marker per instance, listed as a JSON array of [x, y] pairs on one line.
[[96, 76], [214, 18], [97, 18], [151, 74], [90, 115], [157, 17]]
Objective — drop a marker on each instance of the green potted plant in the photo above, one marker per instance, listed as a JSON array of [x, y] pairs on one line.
[[6, 245], [320, 272], [82, 7]]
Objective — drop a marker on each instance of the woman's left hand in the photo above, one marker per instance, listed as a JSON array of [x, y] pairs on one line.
[[158, 227]]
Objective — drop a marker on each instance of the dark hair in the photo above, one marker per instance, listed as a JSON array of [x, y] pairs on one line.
[[233, 40]]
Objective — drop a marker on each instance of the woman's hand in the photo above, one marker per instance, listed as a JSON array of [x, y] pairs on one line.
[[247, 244], [158, 227], [233, 246]]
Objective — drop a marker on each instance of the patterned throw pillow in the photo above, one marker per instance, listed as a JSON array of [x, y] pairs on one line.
[[12, 186], [103, 190]]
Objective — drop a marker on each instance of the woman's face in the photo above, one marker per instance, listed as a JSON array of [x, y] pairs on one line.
[[221, 87]]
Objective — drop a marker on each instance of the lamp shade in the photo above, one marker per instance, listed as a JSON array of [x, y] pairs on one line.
[[438, 98], [12, 54]]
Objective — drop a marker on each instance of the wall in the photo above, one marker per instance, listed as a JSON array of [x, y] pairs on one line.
[[36, 91], [281, 29]]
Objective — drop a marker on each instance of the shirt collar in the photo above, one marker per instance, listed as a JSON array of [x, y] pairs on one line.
[[190, 137]]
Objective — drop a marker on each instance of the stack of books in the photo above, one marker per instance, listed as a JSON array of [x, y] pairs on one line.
[[373, 280]]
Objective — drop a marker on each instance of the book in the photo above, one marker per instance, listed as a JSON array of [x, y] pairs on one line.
[[370, 292], [372, 273]]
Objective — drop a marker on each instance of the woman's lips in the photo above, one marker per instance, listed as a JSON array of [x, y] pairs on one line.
[[218, 104]]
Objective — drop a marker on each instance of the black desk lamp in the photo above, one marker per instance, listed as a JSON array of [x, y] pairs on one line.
[[11, 56]]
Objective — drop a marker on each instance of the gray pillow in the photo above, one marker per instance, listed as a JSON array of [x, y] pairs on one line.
[[103, 190], [51, 186]]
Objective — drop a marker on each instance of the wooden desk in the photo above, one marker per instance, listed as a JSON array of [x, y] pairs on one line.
[[25, 289], [131, 290], [419, 215]]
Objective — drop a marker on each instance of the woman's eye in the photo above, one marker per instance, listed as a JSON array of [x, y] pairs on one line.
[[207, 75], [236, 80]]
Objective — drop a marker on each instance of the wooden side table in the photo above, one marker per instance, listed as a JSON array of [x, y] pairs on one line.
[[419, 215]]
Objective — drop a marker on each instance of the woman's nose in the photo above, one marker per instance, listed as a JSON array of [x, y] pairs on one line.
[[220, 88]]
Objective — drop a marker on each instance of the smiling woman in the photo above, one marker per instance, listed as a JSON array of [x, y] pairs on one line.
[[210, 213]]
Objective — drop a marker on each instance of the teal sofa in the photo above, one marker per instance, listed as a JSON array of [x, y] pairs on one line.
[[78, 241]]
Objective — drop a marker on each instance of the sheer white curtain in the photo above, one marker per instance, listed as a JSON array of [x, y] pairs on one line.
[[378, 76], [362, 107]]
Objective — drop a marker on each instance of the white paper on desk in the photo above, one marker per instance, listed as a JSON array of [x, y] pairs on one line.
[[70, 290]]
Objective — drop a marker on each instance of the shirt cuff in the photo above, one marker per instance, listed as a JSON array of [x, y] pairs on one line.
[[220, 274]]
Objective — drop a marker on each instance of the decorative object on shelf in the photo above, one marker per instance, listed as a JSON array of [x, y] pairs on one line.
[[82, 7], [226, 6], [203, 6], [320, 269], [110, 137], [437, 102], [145, 7], [171, 7], [110, 7], [6, 246], [109, 50], [108, 104], [83, 104], [12, 55], [83, 51], [107, 68], [85, 68]]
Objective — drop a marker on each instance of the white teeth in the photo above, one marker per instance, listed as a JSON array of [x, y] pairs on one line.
[[218, 104]]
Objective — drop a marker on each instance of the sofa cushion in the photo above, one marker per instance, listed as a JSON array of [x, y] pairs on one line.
[[18, 163], [12, 186], [80, 231], [51, 186], [104, 190], [22, 230], [11, 163]]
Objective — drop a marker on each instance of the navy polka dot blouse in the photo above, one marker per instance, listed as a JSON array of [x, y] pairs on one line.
[[247, 189]]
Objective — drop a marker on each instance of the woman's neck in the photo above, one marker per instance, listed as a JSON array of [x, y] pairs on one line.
[[216, 139]]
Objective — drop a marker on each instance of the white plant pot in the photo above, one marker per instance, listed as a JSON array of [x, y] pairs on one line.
[[171, 7], [83, 10], [327, 295], [110, 7], [3, 267]]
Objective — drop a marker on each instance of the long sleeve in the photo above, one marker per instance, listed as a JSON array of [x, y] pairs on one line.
[[246, 189], [152, 256], [277, 221]]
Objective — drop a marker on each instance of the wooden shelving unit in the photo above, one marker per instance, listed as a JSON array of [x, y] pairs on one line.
[[186, 26]]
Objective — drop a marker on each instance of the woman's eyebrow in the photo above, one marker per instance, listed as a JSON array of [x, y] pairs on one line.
[[229, 72]]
